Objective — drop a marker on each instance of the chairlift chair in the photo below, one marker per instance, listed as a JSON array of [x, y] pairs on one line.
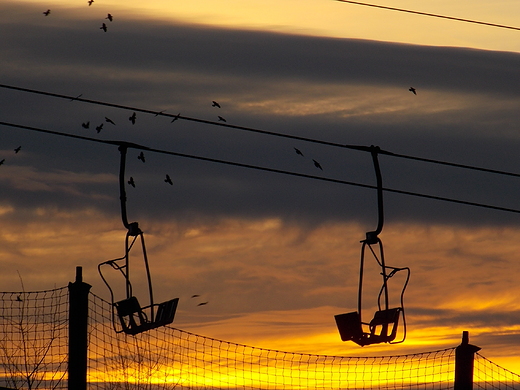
[[383, 328], [134, 318]]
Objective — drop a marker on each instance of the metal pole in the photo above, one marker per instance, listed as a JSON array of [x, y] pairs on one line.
[[78, 332], [464, 359]]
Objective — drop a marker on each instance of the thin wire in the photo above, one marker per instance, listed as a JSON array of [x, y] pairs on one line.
[[261, 168], [430, 14], [265, 132]]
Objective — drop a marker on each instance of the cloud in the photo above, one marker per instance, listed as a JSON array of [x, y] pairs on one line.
[[345, 91]]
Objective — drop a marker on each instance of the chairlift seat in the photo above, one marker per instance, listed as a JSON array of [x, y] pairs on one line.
[[134, 320], [383, 327], [131, 315]]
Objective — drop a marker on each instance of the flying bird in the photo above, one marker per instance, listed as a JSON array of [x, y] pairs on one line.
[[2, 161], [169, 181], [17, 149], [413, 90], [132, 118], [175, 117], [110, 17], [141, 157], [131, 181], [215, 104], [77, 97], [195, 296], [90, 2], [298, 151], [103, 27], [109, 120], [221, 119], [85, 125], [317, 164], [159, 113], [99, 128], [202, 303], [46, 13]]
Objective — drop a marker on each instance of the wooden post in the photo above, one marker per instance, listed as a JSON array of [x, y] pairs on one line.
[[78, 332], [464, 358]]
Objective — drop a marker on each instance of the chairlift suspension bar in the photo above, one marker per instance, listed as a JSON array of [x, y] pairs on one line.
[[374, 152], [371, 237], [122, 191]]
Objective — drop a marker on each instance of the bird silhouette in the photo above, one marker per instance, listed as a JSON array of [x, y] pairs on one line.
[[99, 128], [131, 181], [221, 119], [195, 296], [175, 117], [159, 113], [103, 27], [110, 17], [17, 149], [85, 125], [317, 164], [109, 120], [298, 151], [77, 97], [90, 2], [413, 90], [141, 157], [215, 104], [168, 180], [46, 13], [203, 303], [2, 161], [132, 118]]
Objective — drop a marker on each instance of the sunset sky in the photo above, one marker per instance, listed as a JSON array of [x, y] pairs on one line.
[[275, 256]]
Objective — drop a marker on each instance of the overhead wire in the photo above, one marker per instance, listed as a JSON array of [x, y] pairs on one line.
[[260, 168], [259, 131], [430, 14]]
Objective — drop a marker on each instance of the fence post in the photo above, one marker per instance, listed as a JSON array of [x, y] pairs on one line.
[[78, 336], [464, 358]]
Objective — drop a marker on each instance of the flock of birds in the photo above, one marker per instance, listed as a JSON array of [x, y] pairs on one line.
[[133, 117], [201, 303], [89, 2]]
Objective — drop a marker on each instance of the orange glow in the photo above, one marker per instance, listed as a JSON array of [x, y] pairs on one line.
[[329, 18]]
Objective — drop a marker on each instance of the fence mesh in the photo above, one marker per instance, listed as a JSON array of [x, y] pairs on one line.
[[488, 375], [34, 355], [34, 339], [167, 358]]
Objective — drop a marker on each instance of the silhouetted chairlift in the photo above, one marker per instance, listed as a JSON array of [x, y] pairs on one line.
[[383, 328], [134, 318]]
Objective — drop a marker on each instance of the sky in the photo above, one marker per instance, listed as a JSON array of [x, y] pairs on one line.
[[276, 256]]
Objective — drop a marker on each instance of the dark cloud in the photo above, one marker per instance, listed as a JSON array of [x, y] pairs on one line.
[[340, 90]]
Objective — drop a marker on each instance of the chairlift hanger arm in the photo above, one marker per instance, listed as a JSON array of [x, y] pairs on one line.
[[371, 237]]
